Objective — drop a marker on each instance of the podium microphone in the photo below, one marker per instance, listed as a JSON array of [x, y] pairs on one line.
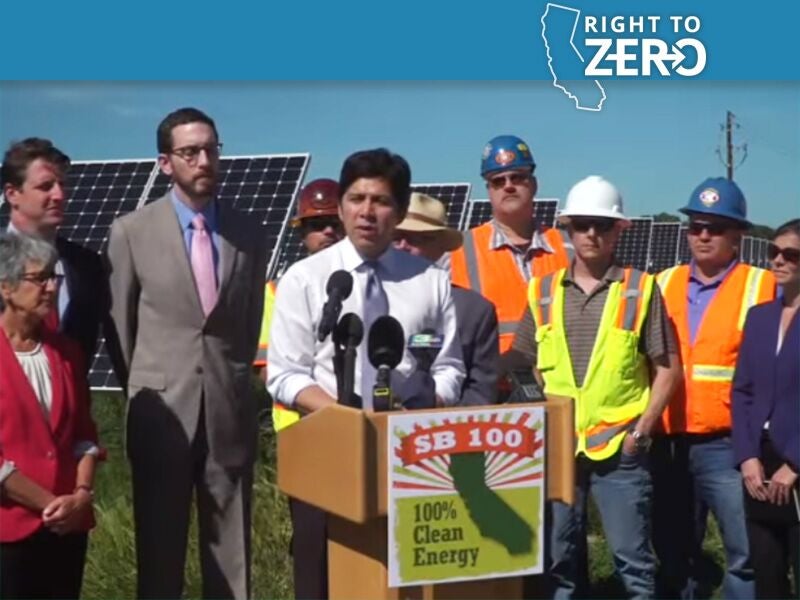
[[425, 347], [385, 351], [338, 288], [347, 335]]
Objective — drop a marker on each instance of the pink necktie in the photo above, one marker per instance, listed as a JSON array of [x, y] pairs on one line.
[[203, 264]]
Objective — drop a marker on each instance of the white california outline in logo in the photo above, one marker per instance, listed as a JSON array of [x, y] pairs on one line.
[[572, 43]]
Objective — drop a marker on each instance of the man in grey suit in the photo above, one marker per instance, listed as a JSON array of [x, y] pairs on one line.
[[424, 232], [187, 280]]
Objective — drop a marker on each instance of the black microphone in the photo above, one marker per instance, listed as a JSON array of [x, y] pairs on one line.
[[338, 288], [524, 387], [385, 346], [425, 347], [347, 335]]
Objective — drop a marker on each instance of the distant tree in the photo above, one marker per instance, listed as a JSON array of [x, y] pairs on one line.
[[665, 218], [762, 231]]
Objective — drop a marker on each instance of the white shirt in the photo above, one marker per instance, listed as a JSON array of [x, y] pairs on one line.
[[418, 293], [37, 369]]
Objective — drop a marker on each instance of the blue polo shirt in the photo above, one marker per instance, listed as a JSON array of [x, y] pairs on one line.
[[701, 294]]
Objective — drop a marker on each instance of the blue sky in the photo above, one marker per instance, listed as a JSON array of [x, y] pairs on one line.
[[655, 140]]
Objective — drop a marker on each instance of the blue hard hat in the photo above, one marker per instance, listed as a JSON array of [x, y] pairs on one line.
[[718, 196], [505, 152]]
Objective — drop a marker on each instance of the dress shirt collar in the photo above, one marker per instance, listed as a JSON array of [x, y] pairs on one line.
[[500, 240], [353, 260], [186, 214], [12, 229], [716, 280]]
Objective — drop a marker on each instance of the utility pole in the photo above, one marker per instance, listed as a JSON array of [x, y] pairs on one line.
[[729, 144], [730, 148]]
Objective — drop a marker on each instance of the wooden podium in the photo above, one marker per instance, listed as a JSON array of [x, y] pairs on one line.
[[336, 459]]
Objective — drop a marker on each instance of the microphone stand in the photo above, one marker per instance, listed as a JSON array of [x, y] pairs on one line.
[[349, 374]]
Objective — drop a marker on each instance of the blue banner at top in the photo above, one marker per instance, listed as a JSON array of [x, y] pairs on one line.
[[577, 44]]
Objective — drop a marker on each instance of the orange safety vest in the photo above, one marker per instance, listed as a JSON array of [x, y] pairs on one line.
[[494, 273], [703, 404], [266, 321]]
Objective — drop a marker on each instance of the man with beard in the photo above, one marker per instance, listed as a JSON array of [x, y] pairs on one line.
[[187, 285]]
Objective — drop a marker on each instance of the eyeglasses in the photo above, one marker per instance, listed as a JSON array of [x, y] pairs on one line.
[[600, 225], [791, 255], [42, 278], [191, 153], [321, 223], [716, 228], [498, 182]]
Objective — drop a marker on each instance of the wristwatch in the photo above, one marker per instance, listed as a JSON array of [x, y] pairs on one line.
[[641, 440]]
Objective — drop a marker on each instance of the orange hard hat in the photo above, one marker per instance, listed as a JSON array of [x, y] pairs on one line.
[[319, 198]]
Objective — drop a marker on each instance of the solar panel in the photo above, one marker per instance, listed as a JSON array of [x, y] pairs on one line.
[[545, 211], [478, 213], [746, 251], [663, 246], [454, 196], [633, 247], [265, 186], [684, 254]]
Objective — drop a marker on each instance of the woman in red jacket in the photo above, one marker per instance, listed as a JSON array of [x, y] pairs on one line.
[[48, 441]]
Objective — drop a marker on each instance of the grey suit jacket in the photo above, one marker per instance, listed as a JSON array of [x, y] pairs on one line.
[[477, 328], [171, 358]]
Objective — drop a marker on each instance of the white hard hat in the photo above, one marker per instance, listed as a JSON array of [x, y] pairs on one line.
[[593, 197]]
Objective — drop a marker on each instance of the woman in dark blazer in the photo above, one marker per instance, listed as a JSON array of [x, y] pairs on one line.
[[48, 441], [766, 422]]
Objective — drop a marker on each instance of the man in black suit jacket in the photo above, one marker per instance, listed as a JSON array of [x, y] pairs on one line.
[[424, 232], [33, 182]]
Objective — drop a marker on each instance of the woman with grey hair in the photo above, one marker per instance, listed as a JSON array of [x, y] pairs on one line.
[[48, 441]]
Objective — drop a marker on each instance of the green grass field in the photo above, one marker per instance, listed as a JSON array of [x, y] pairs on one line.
[[111, 564]]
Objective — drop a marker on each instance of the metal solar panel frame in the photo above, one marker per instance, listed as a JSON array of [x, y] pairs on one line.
[[425, 188]]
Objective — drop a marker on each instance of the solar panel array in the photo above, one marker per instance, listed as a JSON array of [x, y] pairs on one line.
[[455, 197], [633, 248], [663, 246]]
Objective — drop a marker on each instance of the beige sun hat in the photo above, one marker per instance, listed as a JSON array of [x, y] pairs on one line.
[[426, 213]]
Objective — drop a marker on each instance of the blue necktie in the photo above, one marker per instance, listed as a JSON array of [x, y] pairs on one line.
[[375, 305]]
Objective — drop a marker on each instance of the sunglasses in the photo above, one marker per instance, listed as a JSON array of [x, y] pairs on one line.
[[791, 255], [498, 182], [322, 223], [697, 227], [599, 225]]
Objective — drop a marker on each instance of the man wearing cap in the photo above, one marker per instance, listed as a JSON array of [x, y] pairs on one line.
[[693, 460], [318, 221], [424, 232], [498, 258], [598, 333]]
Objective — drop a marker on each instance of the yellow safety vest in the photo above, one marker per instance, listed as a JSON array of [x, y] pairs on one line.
[[281, 416], [616, 389]]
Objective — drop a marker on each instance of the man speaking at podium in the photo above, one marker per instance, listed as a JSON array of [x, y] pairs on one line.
[[375, 191]]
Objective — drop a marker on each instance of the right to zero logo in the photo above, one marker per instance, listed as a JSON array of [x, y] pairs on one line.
[[641, 46]]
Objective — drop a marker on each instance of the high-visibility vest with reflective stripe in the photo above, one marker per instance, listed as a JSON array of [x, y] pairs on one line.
[[616, 389], [494, 274], [703, 403], [281, 416], [266, 321]]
